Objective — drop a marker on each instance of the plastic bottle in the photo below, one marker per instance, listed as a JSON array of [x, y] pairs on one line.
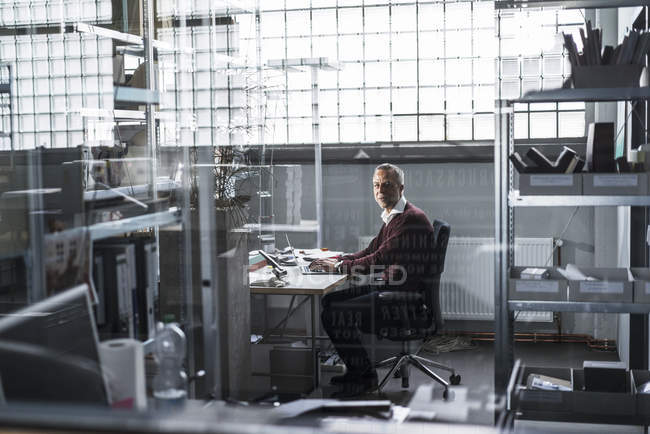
[[170, 383]]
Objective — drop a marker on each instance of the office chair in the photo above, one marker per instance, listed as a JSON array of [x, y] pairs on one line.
[[419, 318]]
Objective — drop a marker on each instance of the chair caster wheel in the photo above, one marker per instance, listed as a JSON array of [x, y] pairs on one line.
[[454, 379], [445, 394], [405, 382]]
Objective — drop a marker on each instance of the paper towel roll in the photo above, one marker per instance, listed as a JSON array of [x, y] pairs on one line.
[[123, 365]]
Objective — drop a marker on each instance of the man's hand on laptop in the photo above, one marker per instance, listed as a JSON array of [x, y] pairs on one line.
[[328, 264]]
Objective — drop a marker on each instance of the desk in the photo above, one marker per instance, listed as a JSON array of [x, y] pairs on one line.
[[311, 285]]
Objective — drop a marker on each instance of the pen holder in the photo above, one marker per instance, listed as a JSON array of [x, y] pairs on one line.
[[608, 76]]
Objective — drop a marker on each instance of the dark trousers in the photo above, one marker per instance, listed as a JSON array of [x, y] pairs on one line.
[[346, 314]]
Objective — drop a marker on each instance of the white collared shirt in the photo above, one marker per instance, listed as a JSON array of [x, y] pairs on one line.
[[397, 209], [386, 217]]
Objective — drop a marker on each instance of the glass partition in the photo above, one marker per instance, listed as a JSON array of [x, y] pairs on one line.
[[170, 169]]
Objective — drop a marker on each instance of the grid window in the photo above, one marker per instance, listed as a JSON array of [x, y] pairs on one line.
[[63, 87], [378, 129], [432, 100], [377, 101], [377, 47], [404, 46], [426, 69], [325, 46], [399, 60], [324, 22], [378, 74], [532, 59], [431, 45], [403, 18], [377, 19]]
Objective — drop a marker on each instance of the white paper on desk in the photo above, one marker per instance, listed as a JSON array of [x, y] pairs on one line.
[[318, 253], [264, 278]]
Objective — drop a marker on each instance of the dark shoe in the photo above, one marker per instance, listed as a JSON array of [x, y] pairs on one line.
[[348, 377], [360, 385], [353, 377]]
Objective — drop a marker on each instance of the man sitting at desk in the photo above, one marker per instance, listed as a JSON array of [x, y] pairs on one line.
[[402, 251]]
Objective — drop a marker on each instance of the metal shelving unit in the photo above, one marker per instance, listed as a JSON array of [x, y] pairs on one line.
[[136, 95], [170, 217], [515, 200], [135, 190], [147, 97], [314, 65], [113, 228], [506, 199], [586, 95], [92, 51], [567, 4], [577, 306], [120, 36], [304, 226], [5, 93]]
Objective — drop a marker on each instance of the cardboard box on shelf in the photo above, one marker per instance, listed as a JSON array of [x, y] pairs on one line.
[[609, 285], [618, 184], [550, 184], [553, 288]]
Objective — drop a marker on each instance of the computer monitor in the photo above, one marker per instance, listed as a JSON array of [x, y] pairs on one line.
[[49, 352]]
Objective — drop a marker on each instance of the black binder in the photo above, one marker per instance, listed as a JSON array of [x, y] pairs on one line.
[[601, 148]]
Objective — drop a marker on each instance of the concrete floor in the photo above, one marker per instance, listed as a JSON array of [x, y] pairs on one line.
[[472, 401]]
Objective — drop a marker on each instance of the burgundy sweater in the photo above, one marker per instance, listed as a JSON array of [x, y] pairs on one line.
[[403, 250]]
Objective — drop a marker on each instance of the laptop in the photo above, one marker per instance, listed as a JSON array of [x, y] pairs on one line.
[[304, 269]]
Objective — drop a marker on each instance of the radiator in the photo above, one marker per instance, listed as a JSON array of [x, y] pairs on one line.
[[467, 284]]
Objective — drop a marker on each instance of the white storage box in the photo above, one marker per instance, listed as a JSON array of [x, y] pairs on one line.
[[619, 184], [611, 284], [641, 284], [550, 184], [553, 288]]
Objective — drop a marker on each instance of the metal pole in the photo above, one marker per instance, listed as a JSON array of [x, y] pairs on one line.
[[503, 353], [265, 237], [187, 239], [125, 16], [37, 290], [210, 278], [318, 159], [12, 138], [147, 38], [503, 342], [314, 352]]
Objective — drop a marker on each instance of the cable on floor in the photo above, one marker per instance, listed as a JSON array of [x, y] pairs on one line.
[[446, 344]]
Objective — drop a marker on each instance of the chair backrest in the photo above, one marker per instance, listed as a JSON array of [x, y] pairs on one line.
[[423, 319], [441, 231]]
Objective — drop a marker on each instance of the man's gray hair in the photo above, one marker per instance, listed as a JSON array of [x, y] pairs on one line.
[[399, 172]]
